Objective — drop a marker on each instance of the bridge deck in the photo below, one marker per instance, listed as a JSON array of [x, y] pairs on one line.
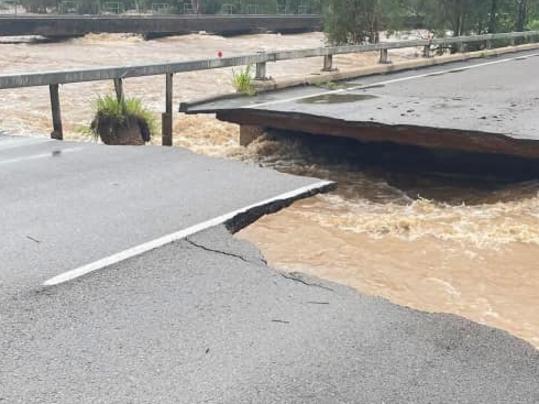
[[486, 105], [69, 25]]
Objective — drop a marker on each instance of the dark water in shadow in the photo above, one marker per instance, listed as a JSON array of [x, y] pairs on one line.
[[445, 176]]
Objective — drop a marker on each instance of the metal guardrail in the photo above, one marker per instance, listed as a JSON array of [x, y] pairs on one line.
[[118, 73]]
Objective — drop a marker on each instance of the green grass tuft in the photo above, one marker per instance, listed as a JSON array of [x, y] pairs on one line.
[[110, 108], [243, 81]]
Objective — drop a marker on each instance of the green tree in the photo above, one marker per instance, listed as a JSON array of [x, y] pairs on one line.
[[38, 6], [358, 21]]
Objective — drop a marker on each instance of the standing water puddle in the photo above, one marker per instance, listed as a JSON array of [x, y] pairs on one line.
[[336, 98]]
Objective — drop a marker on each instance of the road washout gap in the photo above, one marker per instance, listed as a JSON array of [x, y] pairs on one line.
[[437, 138]]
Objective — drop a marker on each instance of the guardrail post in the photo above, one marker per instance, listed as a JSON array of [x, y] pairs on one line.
[[426, 51], [384, 56], [260, 71], [488, 44], [512, 42], [119, 88], [167, 116], [461, 47], [57, 132], [328, 63]]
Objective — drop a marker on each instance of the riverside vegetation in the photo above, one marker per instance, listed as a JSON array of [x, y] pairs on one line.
[[242, 81]]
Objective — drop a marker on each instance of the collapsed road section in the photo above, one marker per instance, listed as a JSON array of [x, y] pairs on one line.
[[487, 105]]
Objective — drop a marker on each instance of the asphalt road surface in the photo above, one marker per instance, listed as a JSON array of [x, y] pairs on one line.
[[66, 205], [204, 319]]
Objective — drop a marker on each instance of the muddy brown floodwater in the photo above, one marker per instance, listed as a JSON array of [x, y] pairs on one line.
[[426, 241], [419, 239]]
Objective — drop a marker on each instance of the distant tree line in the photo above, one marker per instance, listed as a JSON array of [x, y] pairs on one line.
[[357, 21]]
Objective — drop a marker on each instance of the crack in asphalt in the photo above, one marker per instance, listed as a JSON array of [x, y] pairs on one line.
[[291, 276], [299, 277], [229, 254]]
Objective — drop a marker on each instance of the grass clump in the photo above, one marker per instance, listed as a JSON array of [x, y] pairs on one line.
[[121, 110], [113, 116], [243, 81]]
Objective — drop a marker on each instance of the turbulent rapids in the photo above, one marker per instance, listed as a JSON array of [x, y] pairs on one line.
[[420, 238]]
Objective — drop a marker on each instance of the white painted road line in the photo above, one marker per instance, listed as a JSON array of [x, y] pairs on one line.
[[386, 82], [40, 156], [181, 234]]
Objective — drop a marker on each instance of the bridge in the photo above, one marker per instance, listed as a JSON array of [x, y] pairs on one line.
[[74, 25]]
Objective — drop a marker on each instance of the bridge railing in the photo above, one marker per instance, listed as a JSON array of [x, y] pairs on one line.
[[117, 73]]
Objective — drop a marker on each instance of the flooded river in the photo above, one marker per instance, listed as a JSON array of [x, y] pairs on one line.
[[419, 238]]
